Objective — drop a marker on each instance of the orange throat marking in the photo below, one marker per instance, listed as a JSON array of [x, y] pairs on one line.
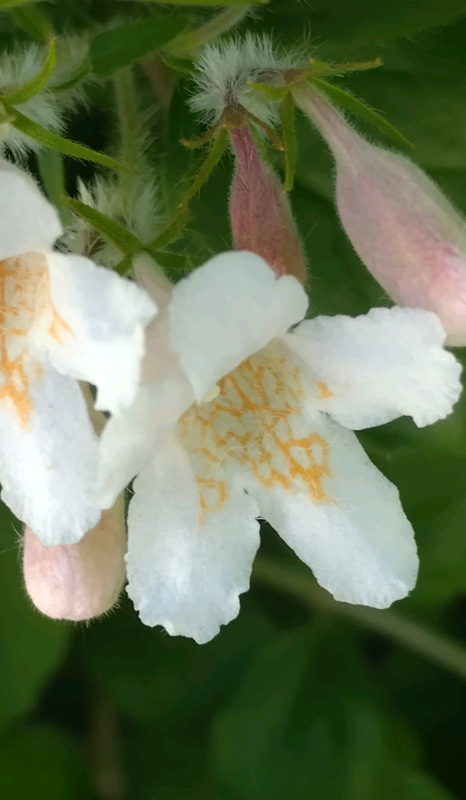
[[24, 294], [256, 421]]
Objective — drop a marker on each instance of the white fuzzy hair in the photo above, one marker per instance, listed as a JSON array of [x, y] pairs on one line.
[[16, 69], [72, 51], [225, 69], [46, 107], [135, 208]]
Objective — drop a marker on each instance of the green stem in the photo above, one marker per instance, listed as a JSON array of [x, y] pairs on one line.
[[409, 634], [129, 121], [221, 23], [187, 47]]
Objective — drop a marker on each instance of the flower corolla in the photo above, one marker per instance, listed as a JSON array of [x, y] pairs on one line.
[[260, 213], [404, 229], [238, 418], [62, 320]]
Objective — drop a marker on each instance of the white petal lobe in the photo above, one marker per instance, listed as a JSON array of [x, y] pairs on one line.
[[185, 575], [379, 366], [225, 311], [357, 539], [48, 468], [28, 222], [99, 335]]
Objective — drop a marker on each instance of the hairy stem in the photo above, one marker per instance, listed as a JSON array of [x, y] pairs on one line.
[[187, 46], [435, 647], [129, 121]]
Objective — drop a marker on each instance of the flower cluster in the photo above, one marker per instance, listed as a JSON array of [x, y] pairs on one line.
[[226, 403]]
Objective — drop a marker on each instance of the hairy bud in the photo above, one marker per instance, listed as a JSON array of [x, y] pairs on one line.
[[260, 214], [78, 581], [401, 225]]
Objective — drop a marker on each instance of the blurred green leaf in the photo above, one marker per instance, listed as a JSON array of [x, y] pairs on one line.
[[126, 43], [164, 677], [7, 4], [39, 761], [223, 3], [32, 21], [306, 722], [365, 20], [33, 646]]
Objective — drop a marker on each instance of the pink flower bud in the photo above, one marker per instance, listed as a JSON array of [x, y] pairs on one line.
[[260, 214], [403, 228], [78, 581]]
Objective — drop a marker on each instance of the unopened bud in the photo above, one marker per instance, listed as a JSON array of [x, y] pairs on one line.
[[260, 214], [401, 225], [78, 581]]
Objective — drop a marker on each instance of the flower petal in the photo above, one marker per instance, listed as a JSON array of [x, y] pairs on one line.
[[48, 465], [129, 440], [225, 311], [28, 221], [92, 328], [379, 366], [185, 575], [346, 523]]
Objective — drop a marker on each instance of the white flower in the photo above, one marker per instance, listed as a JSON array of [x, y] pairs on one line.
[[61, 319], [240, 419]]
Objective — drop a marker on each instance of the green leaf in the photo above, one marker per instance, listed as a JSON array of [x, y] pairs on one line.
[[307, 722], [37, 83], [325, 68], [33, 22], [7, 4], [111, 230], [59, 143], [357, 106], [52, 172], [289, 139], [223, 3], [33, 647], [127, 43], [339, 22], [216, 153]]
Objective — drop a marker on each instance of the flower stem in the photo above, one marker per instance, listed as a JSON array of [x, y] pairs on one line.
[[435, 647], [188, 46], [129, 120], [221, 23]]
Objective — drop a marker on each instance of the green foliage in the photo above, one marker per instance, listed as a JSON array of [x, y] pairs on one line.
[[31, 20], [286, 702], [39, 761], [356, 106], [59, 143], [121, 46], [33, 647]]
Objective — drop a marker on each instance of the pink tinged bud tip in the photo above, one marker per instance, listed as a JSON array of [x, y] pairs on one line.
[[403, 228], [78, 581], [260, 214]]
